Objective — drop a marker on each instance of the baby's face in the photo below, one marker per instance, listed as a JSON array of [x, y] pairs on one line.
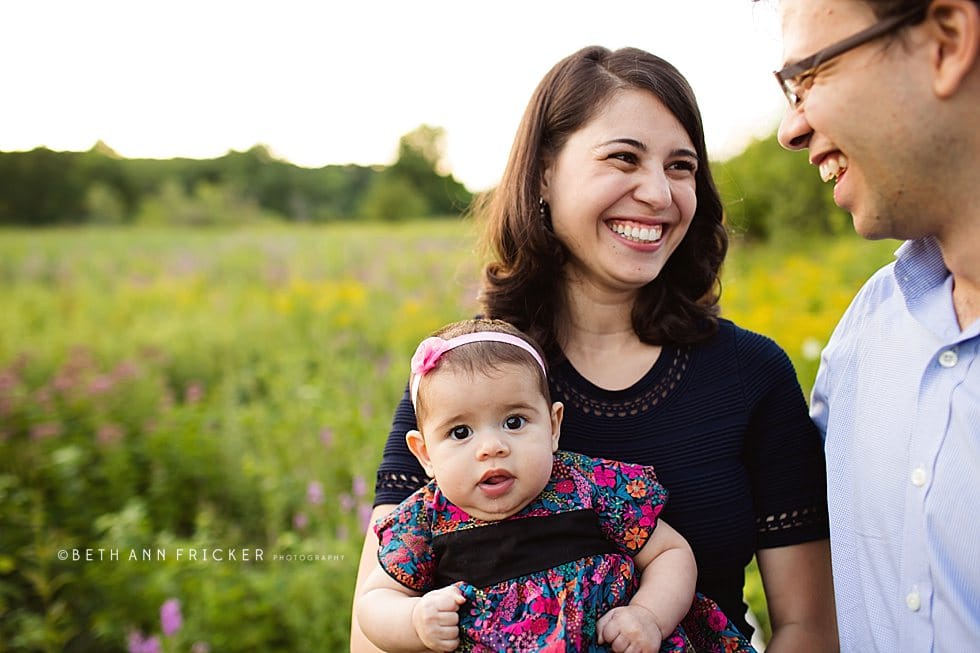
[[488, 440]]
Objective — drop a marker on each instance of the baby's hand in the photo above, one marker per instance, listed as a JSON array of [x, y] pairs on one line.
[[436, 618], [630, 629]]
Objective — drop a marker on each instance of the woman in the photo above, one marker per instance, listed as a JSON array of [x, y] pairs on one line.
[[607, 240]]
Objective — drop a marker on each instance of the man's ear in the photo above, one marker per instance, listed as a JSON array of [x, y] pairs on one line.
[[416, 444], [954, 27], [557, 412]]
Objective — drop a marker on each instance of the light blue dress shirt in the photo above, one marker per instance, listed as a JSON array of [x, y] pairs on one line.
[[897, 397]]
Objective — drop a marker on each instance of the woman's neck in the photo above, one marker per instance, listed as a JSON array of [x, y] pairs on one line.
[[597, 337]]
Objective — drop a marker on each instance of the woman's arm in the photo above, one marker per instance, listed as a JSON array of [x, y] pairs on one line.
[[668, 575], [369, 561], [800, 594]]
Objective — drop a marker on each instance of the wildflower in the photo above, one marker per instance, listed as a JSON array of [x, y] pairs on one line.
[[300, 521], [170, 617], [200, 647], [314, 493], [45, 430], [364, 513], [811, 349], [109, 433], [346, 502], [193, 393], [326, 436], [136, 643], [359, 485]]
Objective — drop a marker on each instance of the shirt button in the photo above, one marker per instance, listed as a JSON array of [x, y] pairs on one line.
[[948, 358], [919, 477], [912, 600]]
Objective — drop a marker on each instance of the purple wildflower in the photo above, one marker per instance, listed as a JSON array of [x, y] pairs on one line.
[[170, 617], [314, 493]]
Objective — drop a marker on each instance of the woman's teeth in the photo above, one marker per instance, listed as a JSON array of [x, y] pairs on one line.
[[832, 167], [645, 234]]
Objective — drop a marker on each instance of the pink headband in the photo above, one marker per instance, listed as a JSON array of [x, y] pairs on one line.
[[431, 350]]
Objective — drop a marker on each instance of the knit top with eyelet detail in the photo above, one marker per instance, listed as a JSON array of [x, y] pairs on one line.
[[725, 425]]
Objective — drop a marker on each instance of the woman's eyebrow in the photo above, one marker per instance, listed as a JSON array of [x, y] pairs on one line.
[[632, 142]]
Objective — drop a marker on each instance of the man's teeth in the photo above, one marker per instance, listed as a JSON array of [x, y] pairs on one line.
[[649, 234], [832, 167]]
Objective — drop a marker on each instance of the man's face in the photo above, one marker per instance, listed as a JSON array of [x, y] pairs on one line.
[[860, 114]]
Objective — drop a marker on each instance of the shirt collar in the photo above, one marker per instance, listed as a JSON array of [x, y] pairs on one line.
[[919, 268]]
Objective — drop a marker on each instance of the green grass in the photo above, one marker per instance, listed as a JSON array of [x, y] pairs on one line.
[[198, 389]]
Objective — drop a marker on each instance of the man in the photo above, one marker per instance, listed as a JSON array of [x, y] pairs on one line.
[[889, 110]]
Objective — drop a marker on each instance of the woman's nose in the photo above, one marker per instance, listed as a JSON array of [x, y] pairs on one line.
[[654, 189], [794, 130]]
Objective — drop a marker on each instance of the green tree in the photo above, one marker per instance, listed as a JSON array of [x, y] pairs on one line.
[[771, 193], [419, 164]]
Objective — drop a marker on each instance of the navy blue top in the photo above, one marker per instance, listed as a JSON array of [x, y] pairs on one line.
[[724, 424]]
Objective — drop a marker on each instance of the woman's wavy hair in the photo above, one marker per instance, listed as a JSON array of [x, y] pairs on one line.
[[524, 281]]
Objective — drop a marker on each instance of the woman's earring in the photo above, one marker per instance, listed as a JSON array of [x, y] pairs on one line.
[[545, 212]]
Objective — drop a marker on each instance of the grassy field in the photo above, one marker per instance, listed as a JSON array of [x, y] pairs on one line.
[[173, 402]]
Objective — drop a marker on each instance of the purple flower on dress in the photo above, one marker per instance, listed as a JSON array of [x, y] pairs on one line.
[[604, 477], [717, 620], [170, 617]]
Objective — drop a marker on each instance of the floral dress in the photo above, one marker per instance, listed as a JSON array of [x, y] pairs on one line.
[[541, 579]]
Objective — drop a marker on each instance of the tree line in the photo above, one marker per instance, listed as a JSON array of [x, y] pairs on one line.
[[45, 187], [768, 192]]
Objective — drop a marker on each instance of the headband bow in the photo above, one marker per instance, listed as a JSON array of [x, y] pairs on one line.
[[431, 349]]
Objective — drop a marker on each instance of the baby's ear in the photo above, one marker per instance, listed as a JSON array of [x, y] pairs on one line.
[[557, 412], [416, 444]]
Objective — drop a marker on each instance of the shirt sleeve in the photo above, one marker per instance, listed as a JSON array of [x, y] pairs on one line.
[[784, 450], [399, 473], [405, 544], [628, 500]]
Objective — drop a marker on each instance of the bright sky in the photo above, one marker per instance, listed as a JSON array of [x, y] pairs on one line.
[[327, 81]]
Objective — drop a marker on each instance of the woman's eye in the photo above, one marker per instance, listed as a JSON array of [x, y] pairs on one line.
[[626, 157], [460, 432], [514, 422], [684, 166]]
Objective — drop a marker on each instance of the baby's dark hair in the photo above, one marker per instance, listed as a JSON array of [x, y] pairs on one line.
[[486, 357]]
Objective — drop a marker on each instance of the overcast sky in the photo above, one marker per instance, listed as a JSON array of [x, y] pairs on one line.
[[340, 82]]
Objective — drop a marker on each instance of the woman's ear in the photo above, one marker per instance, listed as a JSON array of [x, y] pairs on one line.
[[955, 31], [557, 411], [416, 444]]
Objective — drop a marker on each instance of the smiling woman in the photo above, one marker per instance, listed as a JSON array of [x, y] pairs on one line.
[[606, 242]]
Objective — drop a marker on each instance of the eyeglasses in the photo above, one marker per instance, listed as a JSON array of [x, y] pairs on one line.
[[796, 78]]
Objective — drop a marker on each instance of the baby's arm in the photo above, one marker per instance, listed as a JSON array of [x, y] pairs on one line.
[[668, 574], [399, 620]]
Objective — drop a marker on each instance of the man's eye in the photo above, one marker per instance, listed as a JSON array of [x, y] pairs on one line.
[[460, 432], [514, 422]]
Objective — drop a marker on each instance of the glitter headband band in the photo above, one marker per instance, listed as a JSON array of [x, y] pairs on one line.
[[431, 350]]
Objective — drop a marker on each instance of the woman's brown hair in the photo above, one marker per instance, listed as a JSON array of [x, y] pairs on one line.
[[523, 283]]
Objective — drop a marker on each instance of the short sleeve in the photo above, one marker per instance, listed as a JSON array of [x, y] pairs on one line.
[[628, 500], [405, 544], [784, 449], [399, 473]]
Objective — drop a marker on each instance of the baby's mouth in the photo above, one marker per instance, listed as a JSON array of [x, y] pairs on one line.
[[832, 167]]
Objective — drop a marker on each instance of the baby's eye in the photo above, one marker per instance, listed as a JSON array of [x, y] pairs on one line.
[[460, 432], [514, 422]]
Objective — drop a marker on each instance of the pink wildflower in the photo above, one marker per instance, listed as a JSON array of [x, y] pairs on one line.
[[314, 493], [170, 617]]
